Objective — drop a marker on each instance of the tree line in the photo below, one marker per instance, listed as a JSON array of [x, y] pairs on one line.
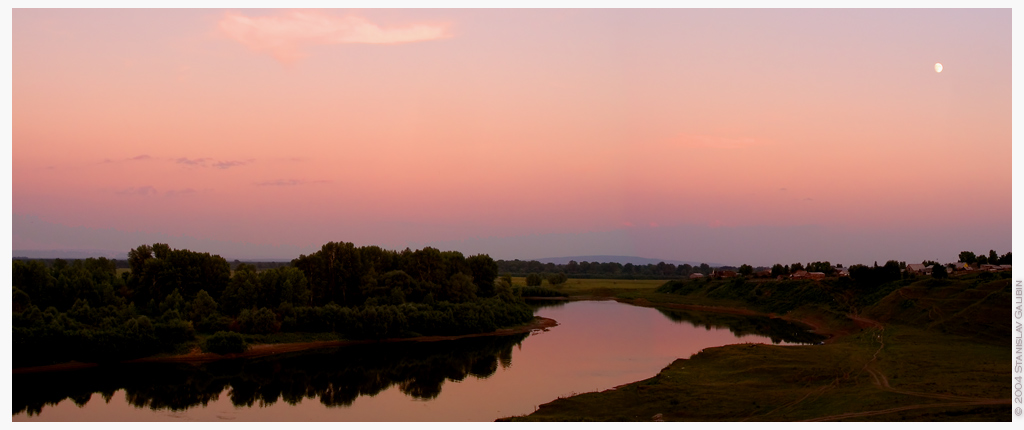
[[610, 270], [865, 285], [662, 270], [85, 310]]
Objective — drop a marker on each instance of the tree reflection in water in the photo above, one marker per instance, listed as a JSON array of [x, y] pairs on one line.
[[777, 329], [335, 376]]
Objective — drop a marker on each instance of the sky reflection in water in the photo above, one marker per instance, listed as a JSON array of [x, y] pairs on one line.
[[597, 346]]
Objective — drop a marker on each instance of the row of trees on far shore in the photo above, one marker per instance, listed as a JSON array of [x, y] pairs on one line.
[[86, 310], [662, 270]]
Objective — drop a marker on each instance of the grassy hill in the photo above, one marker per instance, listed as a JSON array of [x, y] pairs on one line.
[[973, 307], [925, 350]]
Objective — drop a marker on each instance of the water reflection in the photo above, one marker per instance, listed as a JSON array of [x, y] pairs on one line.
[[336, 376], [597, 345], [776, 329], [549, 304]]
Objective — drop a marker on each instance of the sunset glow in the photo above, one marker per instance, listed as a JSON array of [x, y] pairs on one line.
[[726, 136]]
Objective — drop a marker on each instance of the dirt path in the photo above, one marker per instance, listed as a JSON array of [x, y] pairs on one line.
[[882, 382]]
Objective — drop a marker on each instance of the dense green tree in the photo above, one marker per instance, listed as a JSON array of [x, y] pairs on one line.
[[281, 285], [557, 278], [20, 300], [334, 273], [1005, 259], [165, 286], [574, 267], [224, 342], [398, 280], [503, 290], [35, 280], [891, 271], [203, 306], [378, 259], [454, 262], [746, 270], [242, 292], [968, 257], [460, 288], [993, 258], [484, 271], [939, 272], [157, 270], [705, 269], [173, 301], [821, 266], [533, 280], [427, 265], [262, 321]]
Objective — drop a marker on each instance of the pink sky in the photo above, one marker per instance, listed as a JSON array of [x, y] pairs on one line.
[[731, 136]]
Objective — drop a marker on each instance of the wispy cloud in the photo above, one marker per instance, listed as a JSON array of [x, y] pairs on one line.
[[229, 164], [209, 162], [138, 191], [192, 161], [289, 182], [173, 193], [143, 157], [284, 36]]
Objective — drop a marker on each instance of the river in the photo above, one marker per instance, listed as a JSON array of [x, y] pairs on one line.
[[596, 346]]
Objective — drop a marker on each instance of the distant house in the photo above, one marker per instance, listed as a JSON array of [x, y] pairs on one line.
[[799, 274], [995, 267], [918, 268], [763, 274], [840, 271], [816, 275], [696, 275], [723, 274]]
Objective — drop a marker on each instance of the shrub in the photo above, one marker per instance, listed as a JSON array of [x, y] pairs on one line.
[[557, 279], [262, 321], [213, 323], [225, 342]]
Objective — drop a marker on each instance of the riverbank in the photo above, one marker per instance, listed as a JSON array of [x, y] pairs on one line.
[[901, 359], [261, 350]]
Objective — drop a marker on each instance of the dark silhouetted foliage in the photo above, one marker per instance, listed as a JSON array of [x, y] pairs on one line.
[[225, 342]]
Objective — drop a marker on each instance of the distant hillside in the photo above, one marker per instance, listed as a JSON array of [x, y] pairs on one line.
[[621, 259], [69, 253]]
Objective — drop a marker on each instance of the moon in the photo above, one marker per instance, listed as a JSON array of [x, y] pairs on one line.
[[938, 67]]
